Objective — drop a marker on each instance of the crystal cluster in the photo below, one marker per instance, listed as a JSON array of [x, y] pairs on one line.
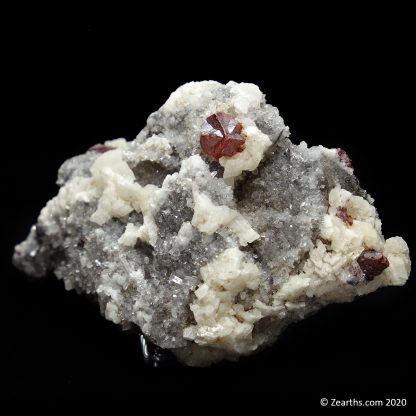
[[221, 136], [212, 231]]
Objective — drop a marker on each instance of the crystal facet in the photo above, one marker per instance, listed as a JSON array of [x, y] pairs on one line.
[[221, 136], [344, 157], [372, 263]]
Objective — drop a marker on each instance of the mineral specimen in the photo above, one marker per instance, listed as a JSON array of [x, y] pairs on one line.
[[211, 231]]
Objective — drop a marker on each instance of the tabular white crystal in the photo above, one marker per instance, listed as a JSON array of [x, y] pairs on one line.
[[210, 259]]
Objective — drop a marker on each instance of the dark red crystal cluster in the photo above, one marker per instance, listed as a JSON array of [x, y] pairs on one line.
[[221, 136]]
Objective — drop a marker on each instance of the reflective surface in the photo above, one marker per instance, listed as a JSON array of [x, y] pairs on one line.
[[155, 356]]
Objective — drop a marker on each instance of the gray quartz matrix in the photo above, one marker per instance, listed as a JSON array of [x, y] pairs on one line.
[[212, 259]]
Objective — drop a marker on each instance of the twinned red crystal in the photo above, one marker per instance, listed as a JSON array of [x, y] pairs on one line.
[[372, 263], [221, 136]]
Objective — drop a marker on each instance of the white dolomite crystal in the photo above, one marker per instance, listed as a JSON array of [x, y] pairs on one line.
[[212, 257], [249, 159]]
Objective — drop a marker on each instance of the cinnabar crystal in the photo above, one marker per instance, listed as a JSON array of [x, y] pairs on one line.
[[221, 136], [372, 263], [343, 157], [100, 148], [342, 214]]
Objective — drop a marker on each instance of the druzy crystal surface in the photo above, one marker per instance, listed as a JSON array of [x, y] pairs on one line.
[[212, 231]]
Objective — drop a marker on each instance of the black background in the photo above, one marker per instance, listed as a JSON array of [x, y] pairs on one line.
[[339, 83]]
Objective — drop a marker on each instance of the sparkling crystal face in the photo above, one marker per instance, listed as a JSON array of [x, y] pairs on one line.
[[221, 136]]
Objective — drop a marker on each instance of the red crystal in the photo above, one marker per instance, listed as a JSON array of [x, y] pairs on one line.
[[100, 148], [344, 216], [221, 136], [343, 157], [372, 263]]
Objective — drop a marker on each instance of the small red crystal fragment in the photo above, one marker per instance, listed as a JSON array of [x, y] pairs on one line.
[[344, 216], [221, 136], [372, 263], [100, 148], [343, 157]]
